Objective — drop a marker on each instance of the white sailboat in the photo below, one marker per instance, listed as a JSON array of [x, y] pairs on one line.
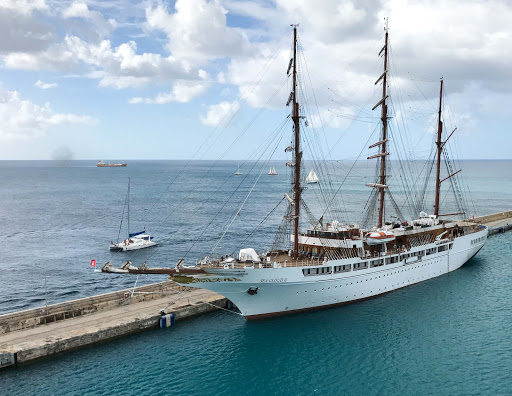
[[238, 173], [135, 240], [312, 177], [272, 171]]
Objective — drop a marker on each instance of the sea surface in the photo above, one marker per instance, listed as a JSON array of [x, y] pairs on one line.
[[447, 336]]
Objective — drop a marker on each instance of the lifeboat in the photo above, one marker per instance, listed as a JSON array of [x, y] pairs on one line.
[[379, 237]]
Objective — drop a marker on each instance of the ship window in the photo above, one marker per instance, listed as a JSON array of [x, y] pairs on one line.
[[376, 263], [431, 251], [342, 268], [391, 260], [316, 271], [359, 266], [442, 248], [450, 246]]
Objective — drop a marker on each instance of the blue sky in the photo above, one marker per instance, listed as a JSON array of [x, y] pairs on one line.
[[153, 79]]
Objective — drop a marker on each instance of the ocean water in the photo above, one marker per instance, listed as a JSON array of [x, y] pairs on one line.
[[449, 335]]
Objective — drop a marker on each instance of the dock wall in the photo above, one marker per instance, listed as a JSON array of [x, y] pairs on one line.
[[106, 334], [52, 313], [492, 217]]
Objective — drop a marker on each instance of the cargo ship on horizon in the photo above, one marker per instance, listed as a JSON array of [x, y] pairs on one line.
[[102, 164]]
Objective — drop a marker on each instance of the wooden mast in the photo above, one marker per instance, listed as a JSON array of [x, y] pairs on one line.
[[440, 145], [297, 153], [381, 185], [384, 119], [128, 199]]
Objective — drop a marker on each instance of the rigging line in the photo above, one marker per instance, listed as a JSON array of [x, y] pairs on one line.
[[353, 164], [225, 180], [334, 78], [122, 218], [315, 164], [220, 210], [265, 219], [321, 166], [402, 174], [350, 126], [407, 166], [260, 111], [456, 158], [346, 102], [247, 196], [267, 65], [224, 309], [326, 173], [304, 92]]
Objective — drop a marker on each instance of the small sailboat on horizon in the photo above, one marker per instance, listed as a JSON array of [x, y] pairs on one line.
[[272, 171], [238, 173], [312, 177]]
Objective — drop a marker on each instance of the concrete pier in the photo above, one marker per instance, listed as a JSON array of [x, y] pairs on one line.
[[42, 332], [497, 222]]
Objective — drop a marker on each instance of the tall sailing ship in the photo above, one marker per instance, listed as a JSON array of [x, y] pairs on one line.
[[332, 263]]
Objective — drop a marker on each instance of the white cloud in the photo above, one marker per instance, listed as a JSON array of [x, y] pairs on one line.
[[24, 7], [118, 68], [80, 10], [23, 119], [43, 85], [220, 113], [21, 29], [182, 92], [197, 31]]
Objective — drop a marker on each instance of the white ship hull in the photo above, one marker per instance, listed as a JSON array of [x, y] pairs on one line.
[[286, 290]]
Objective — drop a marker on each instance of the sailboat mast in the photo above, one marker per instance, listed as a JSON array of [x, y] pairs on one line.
[[297, 153], [439, 144], [128, 199]]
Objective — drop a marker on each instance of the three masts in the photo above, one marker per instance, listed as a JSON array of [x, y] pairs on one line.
[[340, 259]]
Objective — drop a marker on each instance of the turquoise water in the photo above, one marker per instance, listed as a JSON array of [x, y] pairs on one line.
[[450, 335], [446, 336]]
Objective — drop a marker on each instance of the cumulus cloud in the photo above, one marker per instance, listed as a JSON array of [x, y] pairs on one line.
[[20, 28], [220, 113], [341, 41], [23, 7], [80, 10], [43, 85], [191, 35], [119, 67], [197, 31], [22, 119], [182, 92]]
